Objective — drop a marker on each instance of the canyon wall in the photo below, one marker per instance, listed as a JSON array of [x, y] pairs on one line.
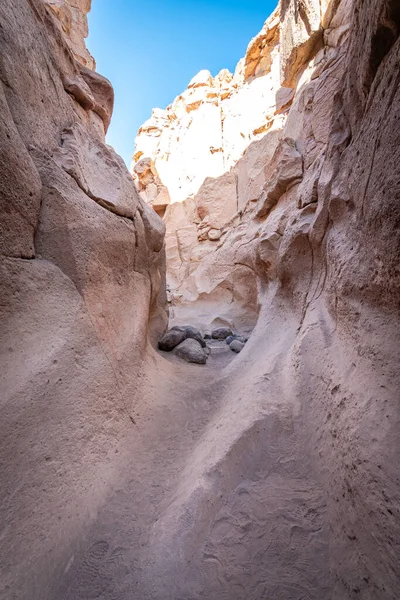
[[125, 474], [82, 286], [293, 489], [205, 163]]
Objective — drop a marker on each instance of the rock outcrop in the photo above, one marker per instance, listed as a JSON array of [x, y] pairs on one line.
[[229, 148], [209, 152], [82, 286], [72, 21]]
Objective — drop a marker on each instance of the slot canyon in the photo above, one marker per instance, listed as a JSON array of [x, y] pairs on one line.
[[258, 234]]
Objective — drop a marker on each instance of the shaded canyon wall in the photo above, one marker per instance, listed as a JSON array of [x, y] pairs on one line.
[[277, 476], [82, 286]]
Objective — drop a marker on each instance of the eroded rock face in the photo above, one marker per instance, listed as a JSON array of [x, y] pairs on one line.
[[82, 287], [227, 146], [72, 20], [293, 490], [275, 476]]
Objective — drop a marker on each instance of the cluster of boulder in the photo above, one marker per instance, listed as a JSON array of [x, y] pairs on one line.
[[235, 342], [188, 342]]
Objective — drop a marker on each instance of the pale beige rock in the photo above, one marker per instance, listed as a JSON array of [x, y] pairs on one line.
[[284, 464], [206, 129], [251, 169], [217, 204], [83, 157], [102, 92], [300, 36], [149, 185], [214, 234], [203, 78], [258, 56], [82, 272], [20, 189], [287, 172], [129, 475], [205, 136], [72, 18]]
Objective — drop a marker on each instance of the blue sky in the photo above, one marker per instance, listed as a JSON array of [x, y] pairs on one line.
[[151, 49]]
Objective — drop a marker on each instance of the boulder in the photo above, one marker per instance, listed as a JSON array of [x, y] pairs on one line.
[[191, 351], [234, 337], [221, 333], [191, 333], [171, 339], [236, 346]]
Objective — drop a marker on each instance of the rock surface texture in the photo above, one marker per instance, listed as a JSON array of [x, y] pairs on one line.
[[200, 163], [191, 351], [72, 21], [82, 274], [268, 474]]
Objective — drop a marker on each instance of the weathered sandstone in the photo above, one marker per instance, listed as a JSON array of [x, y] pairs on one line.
[[82, 273], [270, 473], [72, 20], [314, 224], [217, 149]]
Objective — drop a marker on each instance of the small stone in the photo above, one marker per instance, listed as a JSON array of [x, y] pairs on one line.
[[171, 339], [221, 333], [236, 346], [214, 235], [234, 337], [191, 351]]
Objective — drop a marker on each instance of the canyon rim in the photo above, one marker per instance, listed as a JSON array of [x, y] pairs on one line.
[[266, 202]]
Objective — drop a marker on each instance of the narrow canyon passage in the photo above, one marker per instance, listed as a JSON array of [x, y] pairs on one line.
[[212, 495], [172, 409], [266, 200]]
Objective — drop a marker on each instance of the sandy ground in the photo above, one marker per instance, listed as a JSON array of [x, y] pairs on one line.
[[170, 414], [212, 501]]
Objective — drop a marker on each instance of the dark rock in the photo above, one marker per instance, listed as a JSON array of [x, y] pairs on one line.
[[236, 346], [191, 333], [171, 339], [191, 351], [234, 337], [221, 333]]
